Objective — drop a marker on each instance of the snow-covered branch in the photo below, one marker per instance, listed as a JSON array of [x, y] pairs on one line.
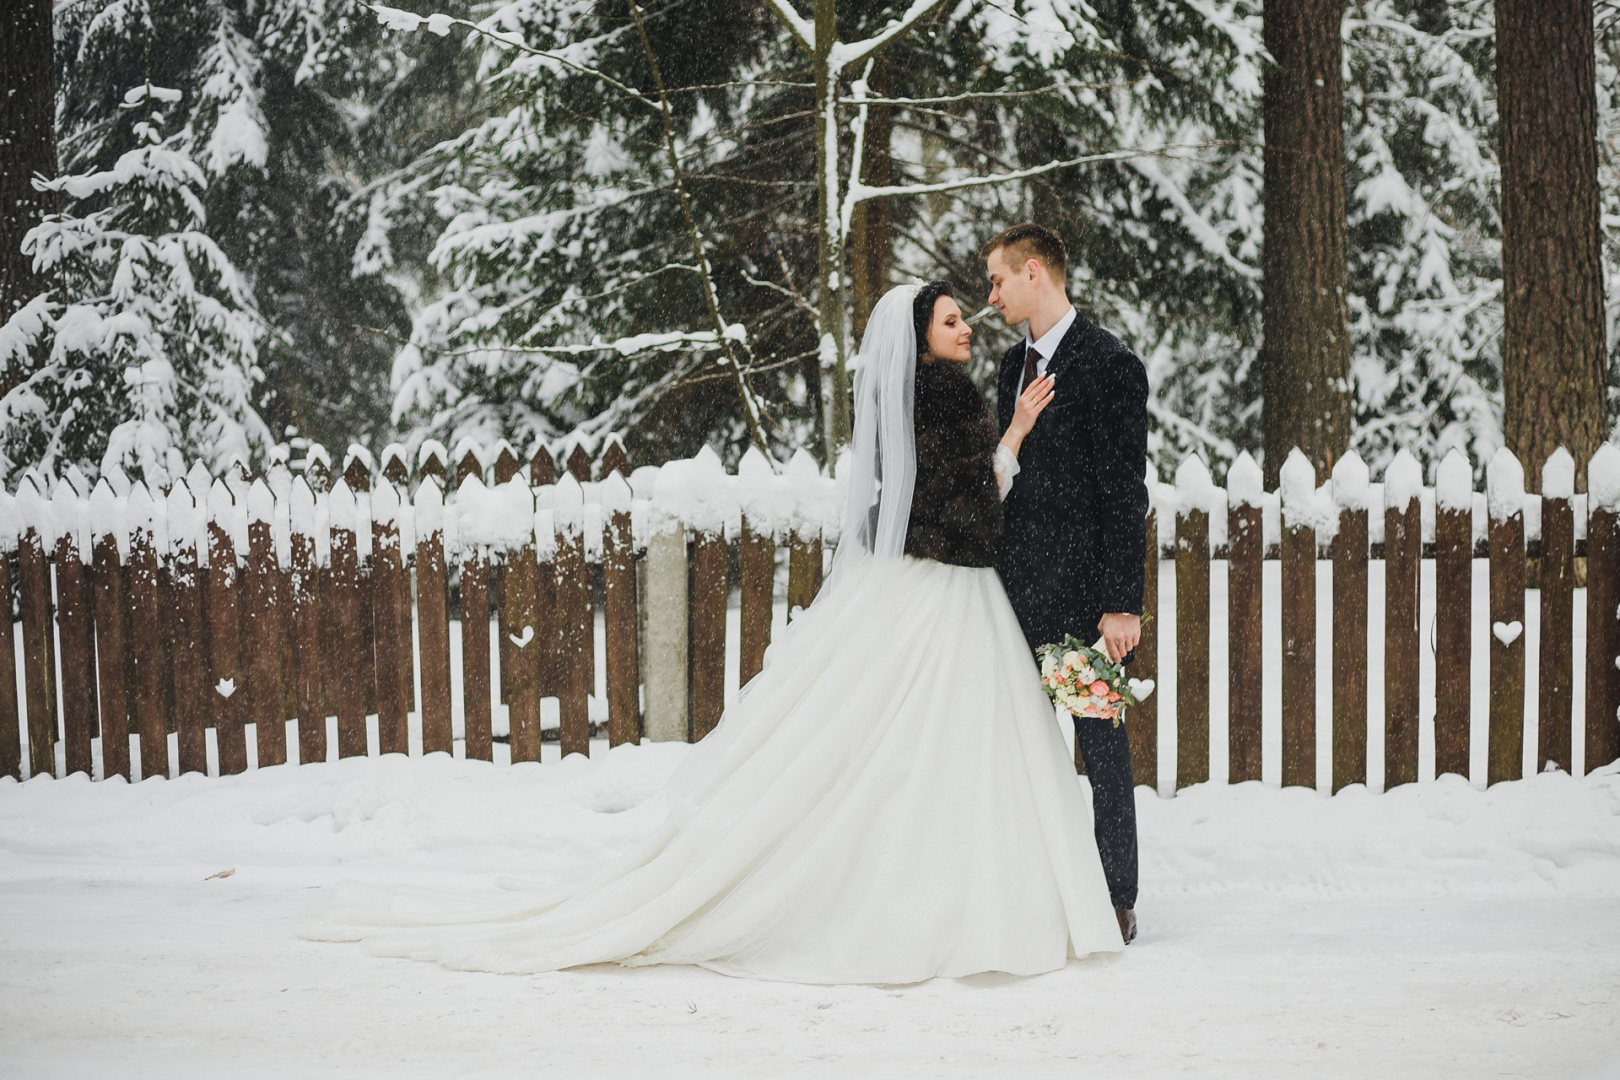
[[1222, 448], [844, 54], [992, 95], [1208, 238], [626, 347], [802, 29], [859, 193], [857, 157], [438, 23]]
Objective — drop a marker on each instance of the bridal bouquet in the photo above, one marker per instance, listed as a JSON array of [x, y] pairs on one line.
[[1084, 681]]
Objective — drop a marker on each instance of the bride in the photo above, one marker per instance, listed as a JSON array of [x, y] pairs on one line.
[[891, 799]]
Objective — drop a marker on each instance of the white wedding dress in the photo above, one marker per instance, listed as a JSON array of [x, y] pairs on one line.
[[890, 800]]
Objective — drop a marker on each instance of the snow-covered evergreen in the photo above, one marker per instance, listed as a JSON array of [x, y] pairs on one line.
[[149, 340], [1425, 239], [460, 219], [275, 98]]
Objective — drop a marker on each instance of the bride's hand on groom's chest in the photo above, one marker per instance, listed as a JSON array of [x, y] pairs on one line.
[[1067, 399]]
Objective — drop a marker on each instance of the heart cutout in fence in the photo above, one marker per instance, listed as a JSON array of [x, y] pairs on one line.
[[1141, 688], [1507, 633], [225, 687], [520, 640]]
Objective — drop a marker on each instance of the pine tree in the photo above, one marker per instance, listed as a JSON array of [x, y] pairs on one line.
[[1425, 232], [273, 96], [151, 358], [564, 297]]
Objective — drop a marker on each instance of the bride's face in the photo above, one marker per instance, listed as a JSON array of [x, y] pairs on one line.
[[949, 333]]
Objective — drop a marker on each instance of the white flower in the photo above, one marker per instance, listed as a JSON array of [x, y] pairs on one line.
[[1071, 659]]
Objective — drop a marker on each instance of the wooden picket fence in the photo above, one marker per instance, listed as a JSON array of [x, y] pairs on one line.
[[266, 605]]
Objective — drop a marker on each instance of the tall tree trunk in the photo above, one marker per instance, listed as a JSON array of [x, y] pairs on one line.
[[1552, 285], [1041, 139], [1305, 357], [27, 146], [871, 227]]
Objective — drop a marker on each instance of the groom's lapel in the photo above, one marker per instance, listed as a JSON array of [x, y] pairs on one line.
[[1068, 350], [1007, 383]]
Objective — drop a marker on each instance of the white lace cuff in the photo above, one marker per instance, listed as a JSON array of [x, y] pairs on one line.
[[1006, 469]]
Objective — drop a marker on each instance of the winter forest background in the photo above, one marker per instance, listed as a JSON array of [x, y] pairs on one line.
[[274, 222]]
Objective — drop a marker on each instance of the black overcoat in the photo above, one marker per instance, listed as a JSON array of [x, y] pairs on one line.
[[1074, 538]]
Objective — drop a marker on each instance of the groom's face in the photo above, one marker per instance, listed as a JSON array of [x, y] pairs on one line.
[[1012, 289]]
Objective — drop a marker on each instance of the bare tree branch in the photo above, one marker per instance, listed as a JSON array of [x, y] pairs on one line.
[[991, 95], [859, 193]]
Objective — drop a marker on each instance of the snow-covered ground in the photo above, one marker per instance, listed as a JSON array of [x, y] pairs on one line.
[[1433, 931]]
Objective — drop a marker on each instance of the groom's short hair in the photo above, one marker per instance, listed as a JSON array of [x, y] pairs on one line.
[[1030, 241]]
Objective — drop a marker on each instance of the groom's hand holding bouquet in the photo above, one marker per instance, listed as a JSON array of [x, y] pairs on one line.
[[1083, 680]]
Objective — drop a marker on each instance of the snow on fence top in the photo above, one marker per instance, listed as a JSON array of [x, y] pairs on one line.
[[698, 495], [1603, 479], [1317, 502]]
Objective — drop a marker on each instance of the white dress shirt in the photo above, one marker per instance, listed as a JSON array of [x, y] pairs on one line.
[[1049, 341]]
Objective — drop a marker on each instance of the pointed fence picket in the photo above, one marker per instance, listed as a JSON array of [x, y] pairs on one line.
[[1403, 549], [150, 650], [573, 647], [1556, 580], [34, 589], [1245, 608], [475, 597], [619, 619], [1453, 589], [112, 710], [433, 628], [307, 634], [188, 664], [1505, 741], [1192, 629], [1603, 611], [270, 605], [75, 635], [1349, 625]]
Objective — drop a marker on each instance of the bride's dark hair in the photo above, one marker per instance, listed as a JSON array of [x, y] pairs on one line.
[[922, 312]]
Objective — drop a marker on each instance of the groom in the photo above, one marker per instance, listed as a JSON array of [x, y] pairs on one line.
[[1073, 551]]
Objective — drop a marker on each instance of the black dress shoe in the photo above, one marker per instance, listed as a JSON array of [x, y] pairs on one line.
[[1127, 923]]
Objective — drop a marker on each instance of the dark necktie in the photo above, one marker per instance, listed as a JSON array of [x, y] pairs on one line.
[[1032, 356]]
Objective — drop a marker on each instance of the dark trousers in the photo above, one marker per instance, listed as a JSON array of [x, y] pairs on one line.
[[1107, 754]]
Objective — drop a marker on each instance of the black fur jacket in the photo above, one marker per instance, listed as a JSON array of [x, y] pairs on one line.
[[955, 505]]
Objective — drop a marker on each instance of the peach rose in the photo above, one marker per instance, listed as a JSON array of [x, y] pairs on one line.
[[1099, 688]]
